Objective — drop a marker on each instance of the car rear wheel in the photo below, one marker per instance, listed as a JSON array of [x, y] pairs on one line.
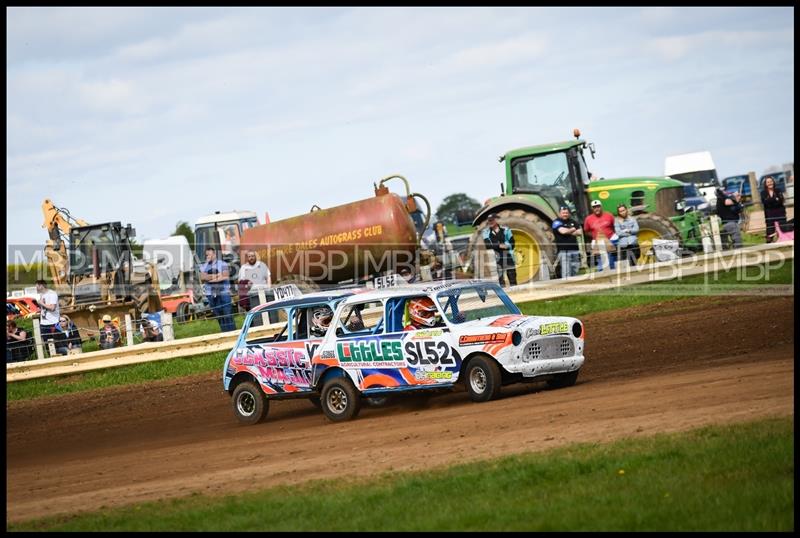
[[483, 379], [340, 400], [249, 403]]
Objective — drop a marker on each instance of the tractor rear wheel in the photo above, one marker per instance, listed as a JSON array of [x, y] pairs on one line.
[[533, 243], [651, 227]]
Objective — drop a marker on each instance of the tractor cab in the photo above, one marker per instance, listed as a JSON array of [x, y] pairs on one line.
[[100, 254], [555, 172], [223, 232]]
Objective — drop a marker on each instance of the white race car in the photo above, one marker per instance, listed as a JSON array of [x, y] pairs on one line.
[[338, 347]]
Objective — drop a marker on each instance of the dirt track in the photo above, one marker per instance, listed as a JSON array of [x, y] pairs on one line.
[[665, 367]]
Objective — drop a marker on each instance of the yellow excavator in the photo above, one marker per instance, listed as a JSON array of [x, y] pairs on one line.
[[94, 271]]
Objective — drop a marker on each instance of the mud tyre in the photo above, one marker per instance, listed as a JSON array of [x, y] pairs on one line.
[[483, 379], [340, 400], [534, 242], [250, 406]]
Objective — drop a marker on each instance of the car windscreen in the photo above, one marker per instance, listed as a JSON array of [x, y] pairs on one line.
[[471, 303]]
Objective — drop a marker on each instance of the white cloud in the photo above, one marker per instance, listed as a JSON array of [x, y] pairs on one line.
[[673, 48]]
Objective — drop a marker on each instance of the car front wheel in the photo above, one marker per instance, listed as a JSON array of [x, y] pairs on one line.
[[249, 404], [483, 379]]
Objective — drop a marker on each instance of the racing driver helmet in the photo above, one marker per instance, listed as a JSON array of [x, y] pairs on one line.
[[423, 312], [320, 320]]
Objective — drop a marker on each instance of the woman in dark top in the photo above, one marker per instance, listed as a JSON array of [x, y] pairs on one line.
[[774, 210]]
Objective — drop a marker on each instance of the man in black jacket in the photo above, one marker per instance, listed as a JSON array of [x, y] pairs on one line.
[[729, 207], [501, 240]]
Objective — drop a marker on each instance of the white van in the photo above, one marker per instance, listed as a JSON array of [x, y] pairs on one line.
[[697, 168]]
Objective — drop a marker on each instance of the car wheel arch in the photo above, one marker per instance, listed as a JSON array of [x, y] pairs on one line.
[[331, 373], [240, 378]]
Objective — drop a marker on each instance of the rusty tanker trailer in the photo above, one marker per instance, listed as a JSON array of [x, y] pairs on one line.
[[350, 243]]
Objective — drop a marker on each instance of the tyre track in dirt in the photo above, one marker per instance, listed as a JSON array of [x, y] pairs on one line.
[[663, 367]]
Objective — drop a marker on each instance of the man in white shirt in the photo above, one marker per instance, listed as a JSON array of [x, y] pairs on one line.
[[48, 311], [254, 270], [253, 274]]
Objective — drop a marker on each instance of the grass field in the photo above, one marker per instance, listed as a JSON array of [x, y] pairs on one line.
[[722, 478], [575, 306]]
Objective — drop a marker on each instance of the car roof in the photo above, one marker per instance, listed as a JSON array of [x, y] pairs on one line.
[[417, 288], [308, 298]]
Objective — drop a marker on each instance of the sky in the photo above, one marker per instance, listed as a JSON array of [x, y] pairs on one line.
[[151, 116]]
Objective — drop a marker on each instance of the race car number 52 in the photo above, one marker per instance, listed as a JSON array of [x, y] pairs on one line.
[[428, 353]]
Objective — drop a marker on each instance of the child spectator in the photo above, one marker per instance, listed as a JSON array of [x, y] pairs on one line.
[[109, 334]]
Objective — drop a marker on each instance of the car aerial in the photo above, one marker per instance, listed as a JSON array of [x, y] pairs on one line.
[[473, 334]]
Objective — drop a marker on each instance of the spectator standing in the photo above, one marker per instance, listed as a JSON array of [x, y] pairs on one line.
[[774, 208], [109, 334], [729, 207], [218, 290], [501, 241], [48, 311], [252, 274], [149, 330], [18, 346], [627, 229], [71, 338], [566, 230], [600, 226]]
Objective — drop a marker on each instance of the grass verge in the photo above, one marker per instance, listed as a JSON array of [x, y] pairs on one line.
[[574, 306], [721, 478]]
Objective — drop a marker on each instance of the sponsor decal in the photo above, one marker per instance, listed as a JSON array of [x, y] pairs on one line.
[[557, 327], [371, 354], [477, 339], [419, 374], [427, 333], [276, 365], [259, 356], [328, 354], [531, 332], [285, 376], [422, 353]]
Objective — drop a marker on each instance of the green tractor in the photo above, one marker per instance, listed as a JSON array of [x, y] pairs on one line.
[[540, 179]]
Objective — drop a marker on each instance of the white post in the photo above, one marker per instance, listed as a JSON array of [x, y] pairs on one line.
[[51, 347], [715, 232], [166, 326], [262, 298], [544, 268], [37, 335], [128, 330]]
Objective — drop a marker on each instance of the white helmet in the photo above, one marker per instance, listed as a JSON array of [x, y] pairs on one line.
[[320, 320]]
